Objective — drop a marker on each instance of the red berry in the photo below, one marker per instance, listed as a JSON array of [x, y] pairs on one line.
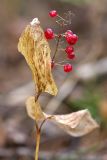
[[52, 64], [69, 32], [67, 67], [53, 13], [71, 56], [69, 49], [71, 38], [49, 34]]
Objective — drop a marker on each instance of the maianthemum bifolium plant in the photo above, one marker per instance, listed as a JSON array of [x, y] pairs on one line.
[[33, 44]]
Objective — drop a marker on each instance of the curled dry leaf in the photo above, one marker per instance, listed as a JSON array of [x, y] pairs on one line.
[[35, 48], [33, 109], [76, 123]]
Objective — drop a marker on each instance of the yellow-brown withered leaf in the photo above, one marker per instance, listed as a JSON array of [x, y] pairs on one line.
[[35, 48], [33, 109], [76, 124]]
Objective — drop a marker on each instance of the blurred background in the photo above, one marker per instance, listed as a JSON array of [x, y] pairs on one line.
[[85, 87]]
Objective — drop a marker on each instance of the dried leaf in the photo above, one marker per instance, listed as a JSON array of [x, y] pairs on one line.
[[33, 109], [76, 123], [35, 48]]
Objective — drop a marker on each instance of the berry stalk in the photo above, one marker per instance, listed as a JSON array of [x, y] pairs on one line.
[[58, 40]]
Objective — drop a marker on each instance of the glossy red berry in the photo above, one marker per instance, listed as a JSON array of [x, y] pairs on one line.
[[69, 49], [71, 38], [53, 13], [52, 64], [71, 55], [49, 34], [67, 67]]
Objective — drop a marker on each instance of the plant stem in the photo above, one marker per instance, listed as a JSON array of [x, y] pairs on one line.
[[37, 143], [38, 134], [56, 47]]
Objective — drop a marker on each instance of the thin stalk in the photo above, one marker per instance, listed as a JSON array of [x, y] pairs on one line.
[[61, 18], [61, 62], [37, 144], [56, 47], [44, 122], [38, 136], [58, 64]]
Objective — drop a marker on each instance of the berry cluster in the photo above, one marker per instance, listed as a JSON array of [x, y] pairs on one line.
[[68, 36]]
